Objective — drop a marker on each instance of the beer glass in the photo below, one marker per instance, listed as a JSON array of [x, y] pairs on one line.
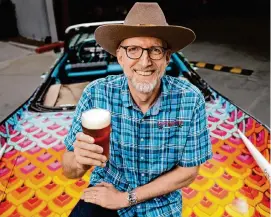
[[97, 124]]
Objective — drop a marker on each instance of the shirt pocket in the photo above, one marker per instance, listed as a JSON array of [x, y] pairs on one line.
[[166, 151]]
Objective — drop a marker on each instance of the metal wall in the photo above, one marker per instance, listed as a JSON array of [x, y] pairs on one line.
[[32, 20]]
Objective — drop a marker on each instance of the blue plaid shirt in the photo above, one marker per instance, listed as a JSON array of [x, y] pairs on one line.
[[145, 146]]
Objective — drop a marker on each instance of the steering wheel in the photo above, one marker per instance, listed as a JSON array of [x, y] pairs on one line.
[[90, 51]]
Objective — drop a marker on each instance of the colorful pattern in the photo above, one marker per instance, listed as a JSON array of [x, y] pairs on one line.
[[32, 183]]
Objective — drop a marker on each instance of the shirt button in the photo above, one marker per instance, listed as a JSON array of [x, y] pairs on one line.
[[142, 174], [141, 139], [138, 206], [142, 158]]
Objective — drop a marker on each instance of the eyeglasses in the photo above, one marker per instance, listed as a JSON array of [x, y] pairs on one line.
[[135, 52]]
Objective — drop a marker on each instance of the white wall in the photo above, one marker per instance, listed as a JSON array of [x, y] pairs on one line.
[[32, 20]]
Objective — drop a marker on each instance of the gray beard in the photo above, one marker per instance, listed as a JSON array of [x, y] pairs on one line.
[[144, 87]]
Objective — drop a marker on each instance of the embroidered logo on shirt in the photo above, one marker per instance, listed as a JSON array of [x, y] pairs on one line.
[[162, 124]]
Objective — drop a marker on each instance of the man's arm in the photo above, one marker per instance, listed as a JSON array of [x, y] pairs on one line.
[[169, 182], [107, 196]]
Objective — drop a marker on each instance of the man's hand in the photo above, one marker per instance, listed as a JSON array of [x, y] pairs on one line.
[[106, 195], [86, 153]]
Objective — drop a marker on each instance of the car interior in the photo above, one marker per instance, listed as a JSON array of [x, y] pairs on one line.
[[82, 62]]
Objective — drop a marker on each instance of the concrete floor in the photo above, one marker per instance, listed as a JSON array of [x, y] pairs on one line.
[[20, 69]]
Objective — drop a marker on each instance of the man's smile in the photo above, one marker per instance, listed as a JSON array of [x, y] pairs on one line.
[[144, 73]]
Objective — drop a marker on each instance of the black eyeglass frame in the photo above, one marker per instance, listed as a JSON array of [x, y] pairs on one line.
[[147, 49]]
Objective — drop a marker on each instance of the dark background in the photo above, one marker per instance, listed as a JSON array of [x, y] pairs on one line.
[[238, 23]]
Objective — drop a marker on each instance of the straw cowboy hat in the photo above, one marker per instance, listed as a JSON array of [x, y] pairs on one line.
[[144, 19]]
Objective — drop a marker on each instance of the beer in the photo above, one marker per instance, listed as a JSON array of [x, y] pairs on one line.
[[96, 123]]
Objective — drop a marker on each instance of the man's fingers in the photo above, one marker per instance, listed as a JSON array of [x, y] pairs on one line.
[[89, 154], [84, 138], [89, 161], [87, 146], [105, 184]]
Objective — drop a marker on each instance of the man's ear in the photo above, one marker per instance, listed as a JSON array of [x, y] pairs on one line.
[[168, 56], [119, 57]]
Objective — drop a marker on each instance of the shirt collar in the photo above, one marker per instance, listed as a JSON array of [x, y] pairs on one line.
[[160, 102]]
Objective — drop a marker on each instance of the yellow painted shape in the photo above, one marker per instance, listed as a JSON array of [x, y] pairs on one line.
[[201, 64], [52, 214], [8, 212], [233, 211], [218, 67], [62, 180], [15, 198], [32, 183], [24, 176], [203, 184], [61, 210], [14, 185], [263, 207], [194, 200], [214, 211], [187, 211], [213, 172], [263, 211], [236, 70], [26, 212], [74, 190], [64, 215], [262, 188], [242, 173], [220, 201], [48, 195], [231, 185]]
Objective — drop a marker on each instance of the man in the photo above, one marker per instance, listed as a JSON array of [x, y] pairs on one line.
[[159, 133]]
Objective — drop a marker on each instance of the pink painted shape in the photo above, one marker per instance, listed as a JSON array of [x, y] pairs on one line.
[[245, 158], [236, 141], [54, 166], [31, 129], [25, 143], [260, 138], [3, 129], [214, 140], [49, 140], [219, 157], [63, 132], [44, 157], [25, 123], [53, 127], [10, 153], [213, 119], [34, 150], [45, 120], [228, 148], [227, 126], [4, 171], [28, 168], [59, 147], [219, 132], [40, 134], [19, 160], [58, 114], [17, 138]]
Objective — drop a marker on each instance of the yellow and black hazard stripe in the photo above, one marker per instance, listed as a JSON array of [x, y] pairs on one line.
[[216, 67]]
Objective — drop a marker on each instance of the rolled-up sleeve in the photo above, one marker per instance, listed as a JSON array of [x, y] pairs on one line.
[[83, 105], [198, 148]]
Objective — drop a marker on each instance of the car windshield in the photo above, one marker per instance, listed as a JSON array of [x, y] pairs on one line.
[[79, 38]]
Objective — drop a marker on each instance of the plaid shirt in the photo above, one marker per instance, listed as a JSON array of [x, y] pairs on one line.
[[145, 146]]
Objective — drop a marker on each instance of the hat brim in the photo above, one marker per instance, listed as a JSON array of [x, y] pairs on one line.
[[109, 37]]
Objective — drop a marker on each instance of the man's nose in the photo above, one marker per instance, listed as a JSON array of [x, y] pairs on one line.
[[145, 59]]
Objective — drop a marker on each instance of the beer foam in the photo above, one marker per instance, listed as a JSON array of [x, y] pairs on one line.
[[96, 119]]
